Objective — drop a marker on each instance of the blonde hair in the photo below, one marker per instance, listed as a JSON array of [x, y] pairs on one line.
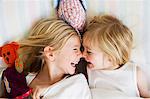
[[110, 35], [46, 32]]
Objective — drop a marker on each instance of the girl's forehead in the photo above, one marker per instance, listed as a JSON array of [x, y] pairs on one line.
[[88, 43], [91, 46], [88, 46], [73, 41]]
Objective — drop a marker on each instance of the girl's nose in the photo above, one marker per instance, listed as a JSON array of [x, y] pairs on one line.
[[84, 55], [80, 54]]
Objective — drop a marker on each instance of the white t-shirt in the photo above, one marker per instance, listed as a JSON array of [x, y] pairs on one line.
[[121, 82], [75, 87]]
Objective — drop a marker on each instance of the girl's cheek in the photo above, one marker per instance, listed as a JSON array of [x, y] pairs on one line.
[[87, 58]]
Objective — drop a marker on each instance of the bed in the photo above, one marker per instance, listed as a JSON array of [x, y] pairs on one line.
[[17, 16]]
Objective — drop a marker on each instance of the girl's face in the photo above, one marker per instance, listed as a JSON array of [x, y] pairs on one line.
[[69, 55], [96, 58]]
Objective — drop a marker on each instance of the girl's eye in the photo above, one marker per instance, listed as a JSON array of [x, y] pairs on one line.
[[74, 49], [88, 52]]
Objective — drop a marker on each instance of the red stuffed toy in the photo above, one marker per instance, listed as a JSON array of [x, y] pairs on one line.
[[13, 77]]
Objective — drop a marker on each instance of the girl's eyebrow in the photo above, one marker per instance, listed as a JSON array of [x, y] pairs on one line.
[[76, 45], [87, 47]]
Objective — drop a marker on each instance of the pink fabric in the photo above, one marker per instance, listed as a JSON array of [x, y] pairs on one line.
[[72, 12]]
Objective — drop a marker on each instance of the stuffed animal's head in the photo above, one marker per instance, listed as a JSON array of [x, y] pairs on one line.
[[9, 53]]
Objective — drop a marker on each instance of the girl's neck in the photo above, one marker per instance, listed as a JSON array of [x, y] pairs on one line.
[[50, 74], [43, 75]]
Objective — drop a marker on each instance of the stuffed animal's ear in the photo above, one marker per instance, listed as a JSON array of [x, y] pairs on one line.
[[0, 51], [15, 45]]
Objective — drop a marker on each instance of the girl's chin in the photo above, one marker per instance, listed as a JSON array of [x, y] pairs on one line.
[[72, 70]]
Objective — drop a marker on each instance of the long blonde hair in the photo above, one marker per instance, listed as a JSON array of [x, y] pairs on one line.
[[110, 35], [46, 32]]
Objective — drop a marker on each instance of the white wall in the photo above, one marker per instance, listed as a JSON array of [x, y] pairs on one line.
[[17, 16]]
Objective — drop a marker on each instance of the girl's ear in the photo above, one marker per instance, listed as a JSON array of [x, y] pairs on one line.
[[49, 53]]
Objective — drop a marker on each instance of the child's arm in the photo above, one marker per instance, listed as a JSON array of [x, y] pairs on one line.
[[142, 84]]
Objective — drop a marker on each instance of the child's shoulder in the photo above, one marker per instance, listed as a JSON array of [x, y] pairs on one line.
[[136, 68], [131, 64]]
